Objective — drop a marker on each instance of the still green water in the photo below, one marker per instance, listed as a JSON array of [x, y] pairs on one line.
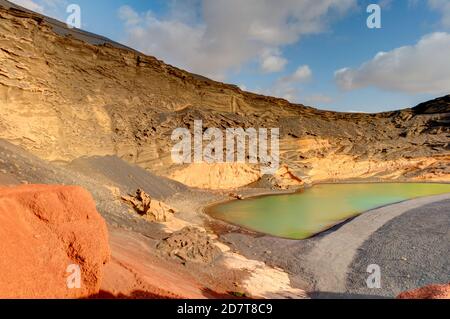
[[301, 215]]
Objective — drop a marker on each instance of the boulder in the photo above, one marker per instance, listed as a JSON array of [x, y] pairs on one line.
[[285, 178], [150, 209], [53, 242], [428, 292]]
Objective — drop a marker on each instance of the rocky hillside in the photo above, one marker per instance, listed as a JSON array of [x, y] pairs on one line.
[[68, 94]]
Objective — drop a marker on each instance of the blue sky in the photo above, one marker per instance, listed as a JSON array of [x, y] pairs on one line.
[[289, 48]]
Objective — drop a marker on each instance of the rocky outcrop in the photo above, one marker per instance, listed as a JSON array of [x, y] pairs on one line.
[[217, 175], [127, 104], [149, 208], [428, 292], [190, 244], [284, 178], [53, 242], [339, 167]]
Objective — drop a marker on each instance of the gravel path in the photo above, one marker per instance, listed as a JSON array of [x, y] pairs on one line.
[[412, 250]]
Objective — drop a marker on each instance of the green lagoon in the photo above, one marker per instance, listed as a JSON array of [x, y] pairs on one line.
[[301, 215]]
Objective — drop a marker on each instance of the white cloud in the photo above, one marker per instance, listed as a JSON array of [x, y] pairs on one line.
[[421, 68], [130, 16], [222, 35], [287, 87], [443, 6], [272, 61], [29, 4], [302, 74], [51, 8], [287, 92]]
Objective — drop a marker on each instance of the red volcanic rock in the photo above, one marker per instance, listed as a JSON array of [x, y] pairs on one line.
[[428, 292], [46, 231]]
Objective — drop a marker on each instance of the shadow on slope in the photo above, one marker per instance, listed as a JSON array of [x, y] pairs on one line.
[[130, 177]]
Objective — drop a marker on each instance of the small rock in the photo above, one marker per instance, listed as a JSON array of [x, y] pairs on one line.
[[236, 196]]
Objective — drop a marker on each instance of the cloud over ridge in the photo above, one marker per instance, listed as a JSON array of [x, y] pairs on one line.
[[230, 33], [420, 68]]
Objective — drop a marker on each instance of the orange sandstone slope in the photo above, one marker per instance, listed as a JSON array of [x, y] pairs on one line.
[[67, 94], [428, 292], [49, 235]]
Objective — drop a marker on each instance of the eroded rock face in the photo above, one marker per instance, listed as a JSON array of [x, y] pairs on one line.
[[48, 233], [428, 292], [151, 209], [217, 175], [78, 97], [285, 178]]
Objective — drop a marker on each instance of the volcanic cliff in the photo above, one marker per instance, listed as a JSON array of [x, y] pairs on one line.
[[79, 109], [66, 94]]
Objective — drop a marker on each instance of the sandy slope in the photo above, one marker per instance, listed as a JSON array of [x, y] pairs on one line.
[[135, 272], [411, 250]]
